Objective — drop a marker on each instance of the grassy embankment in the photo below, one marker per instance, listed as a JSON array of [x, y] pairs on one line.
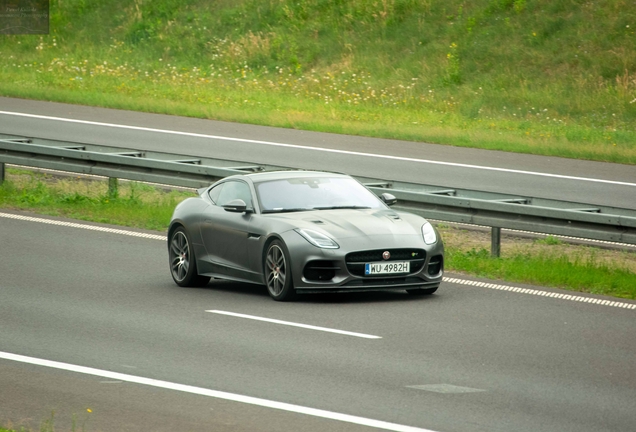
[[552, 77], [78, 424], [548, 262]]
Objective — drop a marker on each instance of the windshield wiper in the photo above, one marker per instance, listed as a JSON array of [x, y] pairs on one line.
[[342, 207], [286, 210]]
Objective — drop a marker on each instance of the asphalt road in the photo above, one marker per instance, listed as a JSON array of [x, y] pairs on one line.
[[526, 175], [465, 359], [499, 361]]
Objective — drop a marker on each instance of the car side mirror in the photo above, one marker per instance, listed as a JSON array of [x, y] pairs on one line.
[[388, 199], [236, 206]]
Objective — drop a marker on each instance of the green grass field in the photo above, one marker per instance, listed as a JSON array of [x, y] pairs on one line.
[[551, 77], [79, 423]]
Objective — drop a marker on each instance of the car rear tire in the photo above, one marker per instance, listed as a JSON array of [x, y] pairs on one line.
[[183, 264], [278, 278], [421, 291]]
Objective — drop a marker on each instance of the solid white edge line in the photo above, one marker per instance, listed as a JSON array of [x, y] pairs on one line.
[[213, 393], [592, 300], [270, 143], [83, 226], [293, 324]]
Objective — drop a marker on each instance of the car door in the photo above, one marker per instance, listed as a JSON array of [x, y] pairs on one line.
[[225, 233]]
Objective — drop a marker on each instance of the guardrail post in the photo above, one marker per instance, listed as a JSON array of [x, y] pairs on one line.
[[113, 187], [495, 242], [1, 172]]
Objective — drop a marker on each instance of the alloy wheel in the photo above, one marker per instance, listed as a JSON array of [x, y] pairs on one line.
[[179, 256], [276, 270]]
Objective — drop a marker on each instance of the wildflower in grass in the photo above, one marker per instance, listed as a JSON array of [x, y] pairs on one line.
[[452, 69]]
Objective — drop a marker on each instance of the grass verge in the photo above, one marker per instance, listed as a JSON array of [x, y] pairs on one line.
[[583, 271], [77, 424], [136, 205], [550, 77], [546, 262]]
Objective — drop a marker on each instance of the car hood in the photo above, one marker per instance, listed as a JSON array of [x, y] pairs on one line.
[[341, 224]]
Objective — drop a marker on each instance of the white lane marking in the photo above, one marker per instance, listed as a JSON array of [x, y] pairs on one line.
[[83, 226], [602, 302], [214, 393], [576, 298], [295, 146], [446, 388], [293, 324]]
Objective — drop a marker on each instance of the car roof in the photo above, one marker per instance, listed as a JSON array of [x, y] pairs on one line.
[[281, 175]]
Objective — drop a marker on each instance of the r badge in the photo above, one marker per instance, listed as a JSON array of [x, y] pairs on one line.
[[386, 255]]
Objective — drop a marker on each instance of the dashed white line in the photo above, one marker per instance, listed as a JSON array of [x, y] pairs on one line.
[[214, 393], [551, 294], [319, 149], [293, 324], [570, 297]]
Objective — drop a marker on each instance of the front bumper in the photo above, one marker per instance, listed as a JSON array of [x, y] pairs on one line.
[[316, 270]]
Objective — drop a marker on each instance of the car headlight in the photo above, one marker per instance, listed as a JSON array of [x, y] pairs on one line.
[[429, 233], [317, 239]]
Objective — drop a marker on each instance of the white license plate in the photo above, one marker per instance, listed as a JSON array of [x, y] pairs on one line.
[[386, 267]]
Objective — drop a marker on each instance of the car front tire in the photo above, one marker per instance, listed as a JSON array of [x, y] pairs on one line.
[[277, 269], [183, 266]]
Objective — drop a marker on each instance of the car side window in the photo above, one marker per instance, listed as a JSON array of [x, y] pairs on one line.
[[214, 193], [234, 190]]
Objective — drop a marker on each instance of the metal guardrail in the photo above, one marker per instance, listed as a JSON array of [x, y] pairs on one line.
[[447, 204], [114, 162], [514, 212]]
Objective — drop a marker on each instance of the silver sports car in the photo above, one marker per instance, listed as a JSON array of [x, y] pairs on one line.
[[302, 232]]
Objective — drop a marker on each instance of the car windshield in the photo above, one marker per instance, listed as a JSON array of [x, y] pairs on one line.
[[314, 193]]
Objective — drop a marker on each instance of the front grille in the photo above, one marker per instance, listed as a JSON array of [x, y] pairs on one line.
[[376, 255], [356, 260]]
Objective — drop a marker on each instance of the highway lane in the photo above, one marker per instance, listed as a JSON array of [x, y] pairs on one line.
[[106, 301], [547, 177]]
